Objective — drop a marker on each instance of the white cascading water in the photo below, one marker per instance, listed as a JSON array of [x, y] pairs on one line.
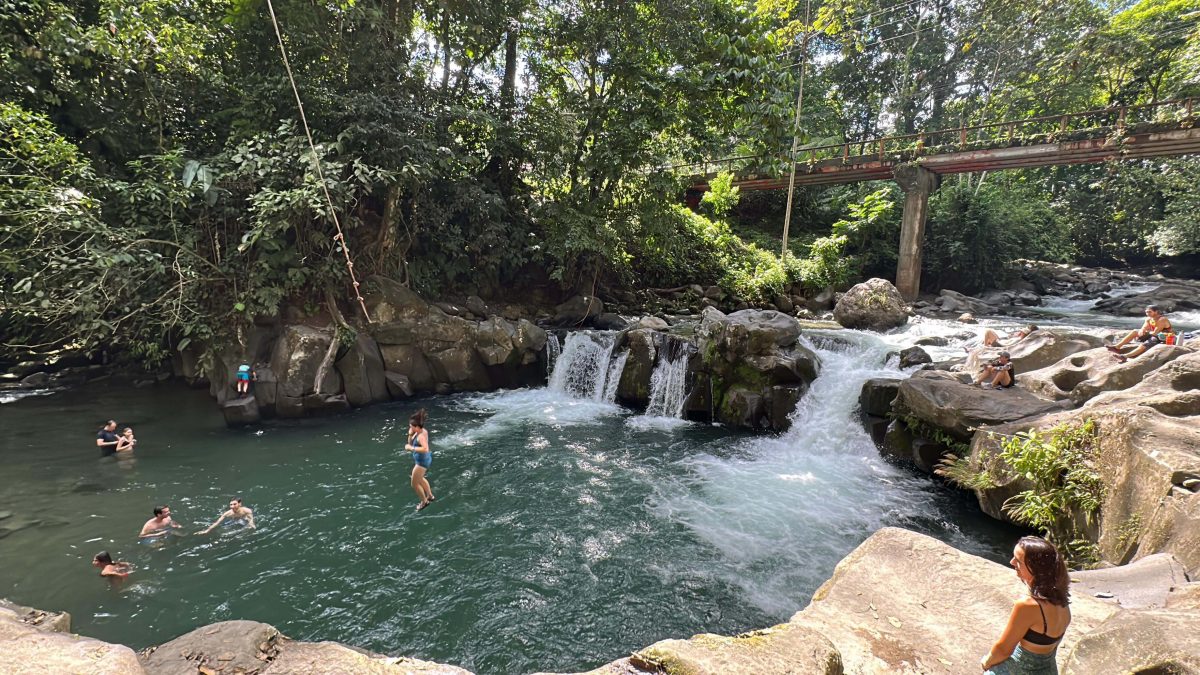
[[668, 383], [553, 349], [779, 508], [586, 367]]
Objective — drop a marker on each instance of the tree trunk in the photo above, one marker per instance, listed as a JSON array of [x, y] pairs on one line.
[[508, 87]]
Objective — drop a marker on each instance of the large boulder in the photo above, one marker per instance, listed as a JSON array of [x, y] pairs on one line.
[[577, 310], [751, 358], [953, 302], [297, 356], [944, 401], [494, 342], [362, 371], [409, 361], [1155, 641], [241, 411], [395, 302], [1082, 376], [877, 395], [942, 625], [875, 304], [37, 643]]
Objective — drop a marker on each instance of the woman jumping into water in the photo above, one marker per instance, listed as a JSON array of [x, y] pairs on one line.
[[418, 445]]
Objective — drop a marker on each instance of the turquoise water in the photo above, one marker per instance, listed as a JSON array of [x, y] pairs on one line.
[[566, 534]]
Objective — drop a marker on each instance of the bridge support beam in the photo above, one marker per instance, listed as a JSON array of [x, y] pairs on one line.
[[918, 183]]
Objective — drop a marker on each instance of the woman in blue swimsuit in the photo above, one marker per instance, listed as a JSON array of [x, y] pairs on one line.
[[418, 445]]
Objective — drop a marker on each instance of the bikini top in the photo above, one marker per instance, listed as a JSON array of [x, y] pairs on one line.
[[1034, 637]]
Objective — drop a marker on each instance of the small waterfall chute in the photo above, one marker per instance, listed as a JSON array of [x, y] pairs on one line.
[[553, 349], [668, 381], [586, 368]]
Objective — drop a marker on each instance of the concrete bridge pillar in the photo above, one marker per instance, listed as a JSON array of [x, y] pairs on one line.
[[918, 183]]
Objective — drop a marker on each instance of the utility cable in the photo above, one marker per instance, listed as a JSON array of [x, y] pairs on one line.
[[340, 238]]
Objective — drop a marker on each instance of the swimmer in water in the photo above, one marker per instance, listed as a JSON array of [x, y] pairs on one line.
[[236, 512], [418, 445], [160, 524], [126, 441], [114, 571]]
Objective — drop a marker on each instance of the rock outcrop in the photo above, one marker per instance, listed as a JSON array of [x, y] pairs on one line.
[[1171, 297], [1085, 375], [875, 304], [754, 365], [36, 642], [413, 346], [948, 401]]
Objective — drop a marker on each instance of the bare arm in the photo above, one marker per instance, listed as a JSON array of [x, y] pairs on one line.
[[1009, 638], [210, 527], [250, 518]]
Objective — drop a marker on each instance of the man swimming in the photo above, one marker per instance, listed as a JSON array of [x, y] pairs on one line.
[[160, 524], [107, 439], [236, 512]]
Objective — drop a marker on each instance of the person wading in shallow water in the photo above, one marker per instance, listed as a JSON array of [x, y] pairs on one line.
[[418, 445], [1037, 622]]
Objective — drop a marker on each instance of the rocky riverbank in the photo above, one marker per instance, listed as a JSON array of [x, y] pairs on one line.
[[900, 603]]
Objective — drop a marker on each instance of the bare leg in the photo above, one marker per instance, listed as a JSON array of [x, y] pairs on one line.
[[418, 477], [1002, 379], [985, 374], [1134, 354], [1126, 340], [426, 487]]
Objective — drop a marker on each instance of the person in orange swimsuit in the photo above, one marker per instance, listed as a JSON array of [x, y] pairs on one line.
[[1155, 330]]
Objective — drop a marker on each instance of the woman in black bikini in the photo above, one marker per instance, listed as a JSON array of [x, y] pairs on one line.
[[418, 445], [1037, 623]]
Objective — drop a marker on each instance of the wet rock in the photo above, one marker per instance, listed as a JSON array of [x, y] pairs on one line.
[[36, 380], [877, 395], [914, 356], [932, 341], [362, 372], [874, 304], [744, 408], [578, 310], [265, 388], [633, 389], [241, 411]]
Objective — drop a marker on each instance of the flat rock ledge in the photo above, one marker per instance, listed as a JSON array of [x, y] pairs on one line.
[[901, 603]]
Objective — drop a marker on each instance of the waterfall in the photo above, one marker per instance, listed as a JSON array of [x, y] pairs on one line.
[[668, 382], [553, 349], [586, 367]]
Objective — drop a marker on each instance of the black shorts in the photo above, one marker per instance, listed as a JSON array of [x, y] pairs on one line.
[[1151, 340]]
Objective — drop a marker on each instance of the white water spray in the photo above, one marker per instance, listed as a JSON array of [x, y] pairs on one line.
[[586, 369], [668, 382]]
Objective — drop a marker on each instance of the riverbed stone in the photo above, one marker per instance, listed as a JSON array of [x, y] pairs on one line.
[[940, 626], [875, 304], [914, 356], [633, 388], [222, 648], [29, 650], [953, 302]]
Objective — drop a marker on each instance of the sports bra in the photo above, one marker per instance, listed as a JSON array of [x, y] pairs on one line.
[[1034, 637]]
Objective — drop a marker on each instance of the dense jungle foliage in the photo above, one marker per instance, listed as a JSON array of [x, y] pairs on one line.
[[157, 187]]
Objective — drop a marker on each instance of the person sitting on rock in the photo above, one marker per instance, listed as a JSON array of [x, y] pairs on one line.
[[998, 373], [114, 571], [1155, 330], [1037, 622]]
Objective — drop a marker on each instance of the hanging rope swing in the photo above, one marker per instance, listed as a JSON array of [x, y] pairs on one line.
[[340, 237], [787, 215]]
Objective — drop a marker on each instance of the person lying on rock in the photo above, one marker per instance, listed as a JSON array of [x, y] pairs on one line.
[[1155, 330], [998, 373], [1037, 622], [113, 571], [236, 512]]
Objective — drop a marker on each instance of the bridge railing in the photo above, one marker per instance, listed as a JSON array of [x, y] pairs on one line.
[[1088, 124]]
